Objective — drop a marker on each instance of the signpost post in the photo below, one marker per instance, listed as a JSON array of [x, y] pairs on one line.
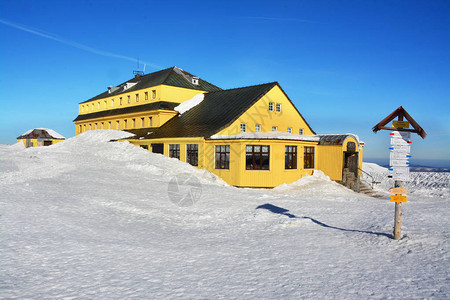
[[399, 158]]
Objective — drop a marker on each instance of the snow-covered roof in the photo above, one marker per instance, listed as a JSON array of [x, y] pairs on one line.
[[188, 104], [42, 132]]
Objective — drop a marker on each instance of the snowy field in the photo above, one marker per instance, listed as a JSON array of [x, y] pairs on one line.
[[90, 219]]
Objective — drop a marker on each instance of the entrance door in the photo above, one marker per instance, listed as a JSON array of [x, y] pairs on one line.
[[158, 148], [351, 162]]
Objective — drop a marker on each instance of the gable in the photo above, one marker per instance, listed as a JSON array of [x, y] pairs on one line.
[[259, 114]]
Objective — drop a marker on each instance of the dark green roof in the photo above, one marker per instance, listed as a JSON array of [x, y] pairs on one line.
[[217, 111], [126, 110], [172, 76]]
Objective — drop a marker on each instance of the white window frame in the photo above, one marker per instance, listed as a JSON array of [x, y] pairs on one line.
[[243, 127], [270, 106], [257, 128], [289, 130], [300, 131], [274, 128], [278, 107]]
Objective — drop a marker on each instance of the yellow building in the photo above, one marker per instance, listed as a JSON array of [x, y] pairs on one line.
[[40, 137], [250, 137]]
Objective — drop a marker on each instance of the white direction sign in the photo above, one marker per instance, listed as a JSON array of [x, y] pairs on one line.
[[399, 156]]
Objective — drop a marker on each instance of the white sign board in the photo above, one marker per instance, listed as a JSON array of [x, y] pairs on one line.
[[399, 155], [401, 134]]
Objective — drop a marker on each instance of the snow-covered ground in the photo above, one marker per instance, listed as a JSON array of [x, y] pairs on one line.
[[87, 218]]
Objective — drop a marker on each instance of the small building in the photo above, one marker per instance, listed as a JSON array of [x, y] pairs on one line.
[[40, 137], [250, 137]]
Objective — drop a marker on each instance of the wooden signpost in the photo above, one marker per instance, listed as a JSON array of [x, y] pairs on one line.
[[399, 157]]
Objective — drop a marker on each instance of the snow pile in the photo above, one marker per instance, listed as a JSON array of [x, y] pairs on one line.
[[92, 219], [317, 184], [51, 132], [188, 104]]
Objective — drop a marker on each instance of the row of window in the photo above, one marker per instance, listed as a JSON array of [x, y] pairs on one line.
[[277, 107], [257, 157], [191, 153], [91, 106], [274, 128], [143, 122]]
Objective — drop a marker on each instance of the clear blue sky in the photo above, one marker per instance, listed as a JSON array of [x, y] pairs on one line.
[[345, 64]]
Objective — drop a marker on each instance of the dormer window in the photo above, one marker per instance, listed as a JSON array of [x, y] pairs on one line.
[[195, 80]]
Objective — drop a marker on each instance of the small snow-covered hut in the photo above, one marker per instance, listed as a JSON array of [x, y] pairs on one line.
[[40, 137]]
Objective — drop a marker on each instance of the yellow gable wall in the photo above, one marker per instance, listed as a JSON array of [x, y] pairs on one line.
[[34, 142], [259, 113], [177, 94]]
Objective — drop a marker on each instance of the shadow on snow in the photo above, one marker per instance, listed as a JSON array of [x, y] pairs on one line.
[[285, 212]]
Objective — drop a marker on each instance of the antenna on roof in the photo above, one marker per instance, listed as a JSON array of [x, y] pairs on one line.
[[137, 72]]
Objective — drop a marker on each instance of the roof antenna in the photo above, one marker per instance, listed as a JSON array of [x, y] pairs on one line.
[[138, 73]]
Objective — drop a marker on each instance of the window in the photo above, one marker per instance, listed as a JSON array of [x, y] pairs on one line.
[[87, 107], [98, 106], [142, 122], [112, 102], [257, 128], [129, 101], [137, 97], [90, 126], [84, 128], [149, 121], [82, 108], [278, 107], [79, 128], [222, 157], [289, 130], [125, 124], [174, 150], [270, 106], [103, 126], [290, 157], [92, 106], [300, 131], [257, 157], [134, 123], [144, 147], [309, 157], [109, 125], [243, 127], [106, 104], [95, 126], [153, 94], [274, 128], [120, 100], [192, 154], [118, 125], [146, 96]]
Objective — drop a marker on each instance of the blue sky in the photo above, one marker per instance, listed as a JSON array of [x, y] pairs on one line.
[[345, 64]]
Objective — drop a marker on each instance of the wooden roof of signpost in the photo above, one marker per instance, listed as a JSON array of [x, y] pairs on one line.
[[400, 113]]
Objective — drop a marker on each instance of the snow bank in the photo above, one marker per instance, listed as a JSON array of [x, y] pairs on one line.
[[424, 184], [188, 104], [317, 184]]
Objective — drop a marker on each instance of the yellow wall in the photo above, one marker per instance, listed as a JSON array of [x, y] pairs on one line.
[[163, 93], [182, 142], [237, 175], [259, 114], [34, 142], [158, 117]]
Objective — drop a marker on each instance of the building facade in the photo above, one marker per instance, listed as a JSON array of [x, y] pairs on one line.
[[40, 137], [250, 137]]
